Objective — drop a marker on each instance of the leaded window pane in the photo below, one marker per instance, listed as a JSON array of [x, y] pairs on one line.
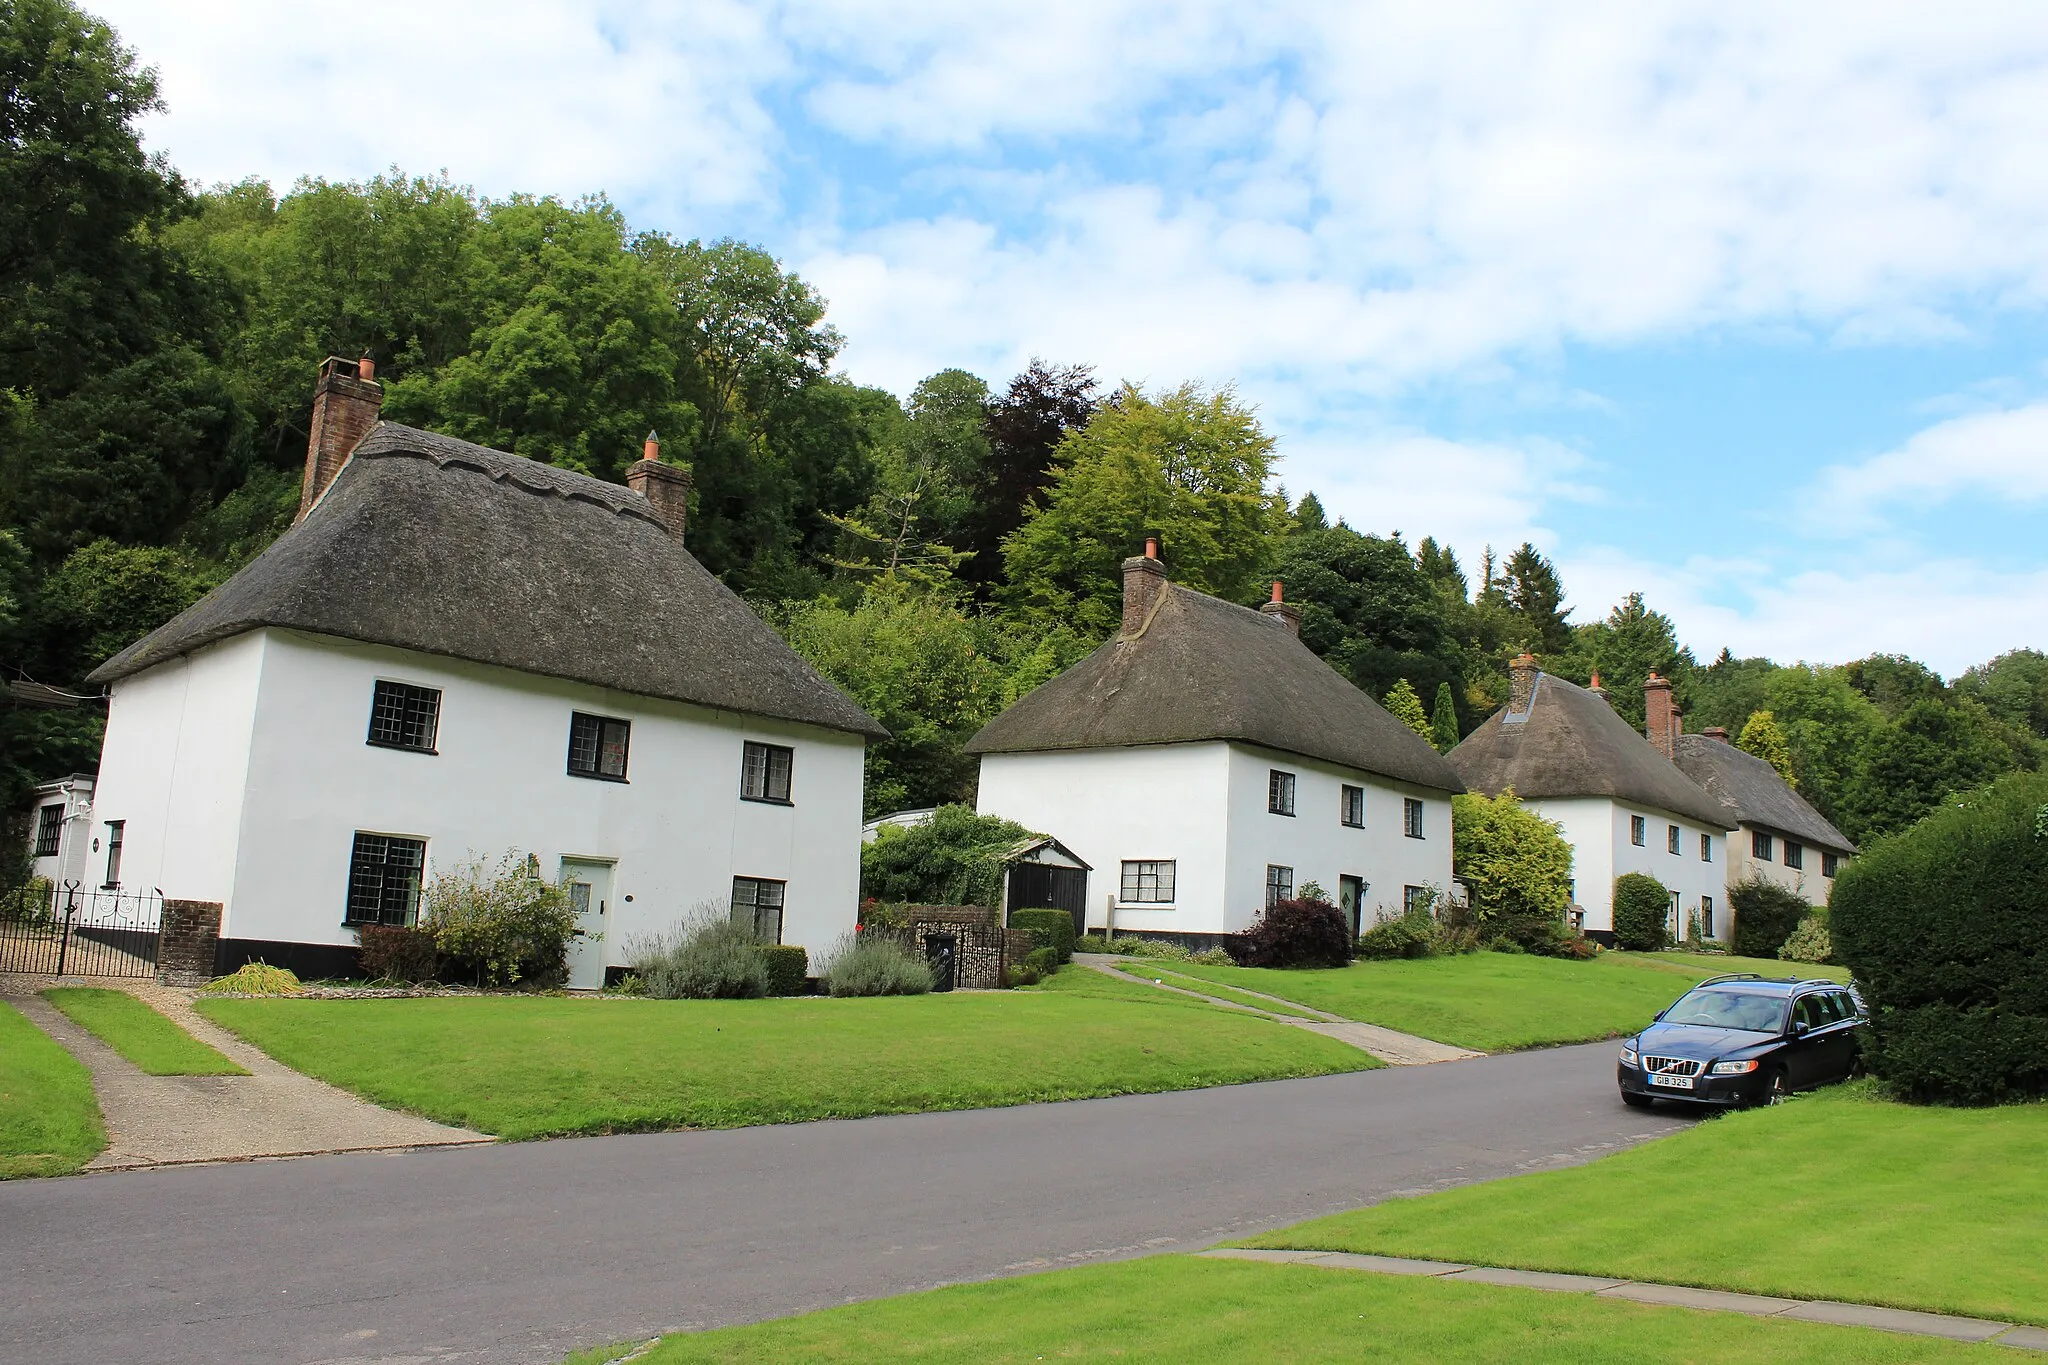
[[384, 879], [404, 717]]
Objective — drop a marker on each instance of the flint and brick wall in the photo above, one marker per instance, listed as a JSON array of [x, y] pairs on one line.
[[983, 946], [185, 947]]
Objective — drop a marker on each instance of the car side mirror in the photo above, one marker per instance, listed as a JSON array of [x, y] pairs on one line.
[[1800, 1027]]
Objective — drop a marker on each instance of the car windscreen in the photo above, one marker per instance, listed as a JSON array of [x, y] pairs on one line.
[[1720, 1007]]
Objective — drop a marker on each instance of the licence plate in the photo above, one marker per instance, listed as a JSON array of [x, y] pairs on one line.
[[1672, 1082]]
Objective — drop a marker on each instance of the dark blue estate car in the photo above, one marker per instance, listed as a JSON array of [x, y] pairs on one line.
[[1737, 1040]]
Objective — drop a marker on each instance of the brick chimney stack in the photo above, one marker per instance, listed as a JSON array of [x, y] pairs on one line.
[[1660, 721], [345, 402], [1597, 690], [1144, 581], [666, 488], [1716, 732], [1522, 674], [1289, 614]]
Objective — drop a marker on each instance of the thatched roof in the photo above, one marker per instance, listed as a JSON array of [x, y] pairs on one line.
[[1571, 743], [1750, 788], [432, 544], [1204, 669]]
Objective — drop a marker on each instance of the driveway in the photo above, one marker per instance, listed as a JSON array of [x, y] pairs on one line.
[[520, 1252]]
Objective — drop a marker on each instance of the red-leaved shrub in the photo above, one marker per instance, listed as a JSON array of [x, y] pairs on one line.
[[1293, 934]]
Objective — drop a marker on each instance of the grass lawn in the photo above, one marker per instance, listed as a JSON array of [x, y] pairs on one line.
[[142, 1035], [537, 1067], [1836, 1195], [1714, 964], [1154, 970], [49, 1122], [1492, 1002], [1179, 1308]]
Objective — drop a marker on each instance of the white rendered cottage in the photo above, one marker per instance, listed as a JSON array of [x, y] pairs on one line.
[[60, 835], [457, 652], [1779, 836], [1623, 805], [1205, 763]]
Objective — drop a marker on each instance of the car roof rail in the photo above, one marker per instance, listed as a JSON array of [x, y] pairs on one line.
[[1731, 976]]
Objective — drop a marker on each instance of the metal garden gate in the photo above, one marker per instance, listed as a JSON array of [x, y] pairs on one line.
[[72, 931]]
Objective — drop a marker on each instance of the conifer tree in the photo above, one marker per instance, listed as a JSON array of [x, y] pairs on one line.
[[1443, 723], [1406, 705]]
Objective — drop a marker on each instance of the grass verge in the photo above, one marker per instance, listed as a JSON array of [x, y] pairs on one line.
[[144, 1036], [1837, 1195], [49, 1121], [1491, 1002], [1714, 964], [526, 1068], [1180, 1308], [1153, 970]]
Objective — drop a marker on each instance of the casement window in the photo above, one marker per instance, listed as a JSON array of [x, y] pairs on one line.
[[49, 831], [1280, 792], [1830, 864], [1148, 883], [597, 747], [1795, 855], [757, 907], [1411, 817], [1638, 830], [1671, 839], [116, 831], [1279, 884], [1759, 845], [764, 772], [404, 717], [1351, 807], [1706, 916], [1706, 848], [1415, 899], [384, 879]]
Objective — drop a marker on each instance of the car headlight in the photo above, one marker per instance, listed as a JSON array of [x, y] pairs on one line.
[[1733, 1068], [1628, 1055]]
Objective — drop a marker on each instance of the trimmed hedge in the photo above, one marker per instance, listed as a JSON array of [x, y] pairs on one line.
[[1642, 912], [1298, 933], [1052, 929], [1765, 916], [788, 964], [1945, 927], [397, 952]]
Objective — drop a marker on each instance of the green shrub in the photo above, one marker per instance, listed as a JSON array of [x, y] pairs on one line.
[[1517, 866], [953, 858], [1052, 929], [1642, 911], [1021, 974], [1044, 961], [397, 952], [1537, 937], [1809, 942], [1765, 916], [876, 964], [1157, 949], [707, 957], [1091, 943], [788, 965], [1210, 957], [254, 978], [1945, 927], [502, 926], [31, 902], [1410, 935]]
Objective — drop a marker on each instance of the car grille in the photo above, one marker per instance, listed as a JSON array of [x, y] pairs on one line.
[[1671, 1066]]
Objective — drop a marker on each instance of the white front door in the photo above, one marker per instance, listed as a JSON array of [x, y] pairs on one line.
[[590, 892]]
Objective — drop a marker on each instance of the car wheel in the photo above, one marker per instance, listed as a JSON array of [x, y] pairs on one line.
[[1635, 1101], [1777, 1089]]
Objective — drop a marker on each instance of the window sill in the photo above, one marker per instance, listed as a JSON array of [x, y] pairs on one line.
[[597, 777], [400, 748], [1352, 824], [1415, 836], [1288, 813], [766, 801]]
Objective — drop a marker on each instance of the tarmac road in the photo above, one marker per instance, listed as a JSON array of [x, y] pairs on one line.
[[522, 1252]]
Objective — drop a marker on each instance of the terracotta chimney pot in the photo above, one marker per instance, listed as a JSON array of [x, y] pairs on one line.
[[1288, 612], [666, 488]]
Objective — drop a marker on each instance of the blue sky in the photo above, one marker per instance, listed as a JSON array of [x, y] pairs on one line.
[[1742, 307]]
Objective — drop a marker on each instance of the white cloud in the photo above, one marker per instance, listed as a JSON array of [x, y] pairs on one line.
[[2001, 456]]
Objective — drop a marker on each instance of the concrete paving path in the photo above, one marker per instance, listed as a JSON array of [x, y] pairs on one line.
[[172, 1120], [1394, 1048], [516, 1253], [1670, 1295]]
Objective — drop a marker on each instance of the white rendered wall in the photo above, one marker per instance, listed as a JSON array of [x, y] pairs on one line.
[[1204, 807], [1153, 803], [1317, 844], [676, 830], [72, 862], [1807, 881], [173, 769], [1598, 831]]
